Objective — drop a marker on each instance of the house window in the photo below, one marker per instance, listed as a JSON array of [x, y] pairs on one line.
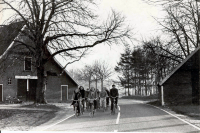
[[9, 81], [27, 63]]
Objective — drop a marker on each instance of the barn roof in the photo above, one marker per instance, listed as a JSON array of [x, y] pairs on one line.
[[179, 66], [7, 35]]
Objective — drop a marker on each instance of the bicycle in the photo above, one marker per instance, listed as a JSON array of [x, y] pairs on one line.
[[76, 108], [114, 104], [87, 104], [81, 105]]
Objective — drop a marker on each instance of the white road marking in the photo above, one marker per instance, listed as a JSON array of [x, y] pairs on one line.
[[198, 128], [118, 116], [57, 122]]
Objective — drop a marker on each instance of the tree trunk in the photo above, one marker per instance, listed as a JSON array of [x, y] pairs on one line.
[[102, 84], [40, 91], [145, 85], [96, 84], [89, 83]]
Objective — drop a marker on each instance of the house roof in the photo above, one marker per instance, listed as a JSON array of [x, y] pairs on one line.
[[11, 35], [7, 35], [179, 66], [65, 70]]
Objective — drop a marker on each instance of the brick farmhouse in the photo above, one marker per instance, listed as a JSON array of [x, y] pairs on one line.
[[18, 76]]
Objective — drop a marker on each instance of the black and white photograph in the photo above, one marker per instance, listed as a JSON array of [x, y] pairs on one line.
[[100, 66]]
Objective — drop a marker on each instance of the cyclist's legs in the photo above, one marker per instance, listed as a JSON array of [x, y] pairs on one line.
[[107, 101], [116, 100], [112, 103], [104, 102], [100, 102], [83, 103], [78, 107], [87, 103], [90, 105], [95, 104]]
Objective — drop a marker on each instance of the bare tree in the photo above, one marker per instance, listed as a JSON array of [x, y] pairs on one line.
[[162, 59], [64, 27], [86, 74], [181, 24], [102, 71]]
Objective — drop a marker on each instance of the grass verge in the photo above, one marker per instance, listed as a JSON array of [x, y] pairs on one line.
[[187, 109], [25, 119]]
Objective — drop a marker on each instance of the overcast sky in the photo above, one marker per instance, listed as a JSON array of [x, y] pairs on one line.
[[138, 15]]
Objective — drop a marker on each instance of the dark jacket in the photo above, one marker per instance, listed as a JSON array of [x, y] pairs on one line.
[[86, 94], [76, 96], [82, 93], [114, 92]]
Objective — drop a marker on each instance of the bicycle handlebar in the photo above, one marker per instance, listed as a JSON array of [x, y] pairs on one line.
[[92, 99], [76, 100], [113, 97]]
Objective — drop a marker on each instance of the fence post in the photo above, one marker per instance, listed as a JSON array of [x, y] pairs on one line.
[[162, 96]]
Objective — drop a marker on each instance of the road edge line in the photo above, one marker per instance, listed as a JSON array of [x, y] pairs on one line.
[[198, 128], [57, 122]]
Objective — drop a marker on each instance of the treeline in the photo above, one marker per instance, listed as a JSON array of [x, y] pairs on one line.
[[142, 68]]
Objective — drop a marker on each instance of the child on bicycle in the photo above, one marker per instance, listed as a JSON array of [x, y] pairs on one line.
[[91, 98], [87, 91], [114, 93], [103, 95]]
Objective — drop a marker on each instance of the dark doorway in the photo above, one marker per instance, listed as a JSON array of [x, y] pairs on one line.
[[22, 92], [1, 92], [21, 89], [32, 89], [64, 91]]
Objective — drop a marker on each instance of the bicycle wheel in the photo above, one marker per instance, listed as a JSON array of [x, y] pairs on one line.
[[114, 109], [81, 109], [91, 111]]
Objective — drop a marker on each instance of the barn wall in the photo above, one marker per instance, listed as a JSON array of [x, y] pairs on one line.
[[53, 88], [178, 89]]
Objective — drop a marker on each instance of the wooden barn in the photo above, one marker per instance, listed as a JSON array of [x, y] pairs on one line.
[[182, 85]]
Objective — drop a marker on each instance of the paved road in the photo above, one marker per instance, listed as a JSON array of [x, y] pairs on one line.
[[133, 117]]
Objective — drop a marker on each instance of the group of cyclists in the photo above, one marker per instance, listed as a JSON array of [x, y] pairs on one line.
[[86, 99]]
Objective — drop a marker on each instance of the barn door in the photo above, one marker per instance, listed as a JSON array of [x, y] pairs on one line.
[[64, 93], [1, 93]]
